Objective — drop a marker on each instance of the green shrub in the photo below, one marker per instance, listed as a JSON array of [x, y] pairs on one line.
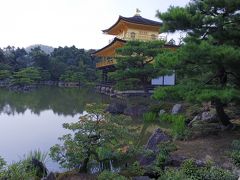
[[167, 118], [19, 170], [131, 84], [149, 117], [37, 154], [179, 129], [23, 169], [178, 126], [235, 155], [189, 171], [235, 152], [2, 163], [155, 108], [135, 169], [215, 173], [174, 175], [108, 175], [164, 151]]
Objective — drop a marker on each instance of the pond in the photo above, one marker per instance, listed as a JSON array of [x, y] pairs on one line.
[[32, 121]]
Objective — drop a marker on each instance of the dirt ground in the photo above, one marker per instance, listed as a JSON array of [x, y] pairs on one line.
[[212, 147]]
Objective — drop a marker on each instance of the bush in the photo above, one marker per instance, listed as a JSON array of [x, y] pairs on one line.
[[178, 126], [20, 170], [174, 175], [24, 169], [189, 171], [97, 136], [2, 163], [164, 151], [135, 169], [108, 175], [215, 173], [235, 153], [149, 117], [167, 118]]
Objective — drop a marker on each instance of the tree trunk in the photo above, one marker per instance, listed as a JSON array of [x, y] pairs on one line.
[[145, 88], [223, 117], [83, 168]]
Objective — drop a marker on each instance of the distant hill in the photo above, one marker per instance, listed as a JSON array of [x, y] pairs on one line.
[[46, 49]]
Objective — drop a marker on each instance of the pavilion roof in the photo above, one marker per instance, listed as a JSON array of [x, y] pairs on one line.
[[137, 19]]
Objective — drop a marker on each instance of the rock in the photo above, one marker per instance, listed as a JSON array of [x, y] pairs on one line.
[[176, 108], [209, 116], [107, 89], [116, 108], [141, 178], [112, 95], [175, 160], [156, 138], [51, 176], [203, 128], [102, 89], [200, 163], [162, 111], [195, 119], [147, 160], [111, 90], [137, 110], [40, 167]]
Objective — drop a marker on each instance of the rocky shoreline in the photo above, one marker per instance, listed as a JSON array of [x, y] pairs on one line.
[[110, 91]]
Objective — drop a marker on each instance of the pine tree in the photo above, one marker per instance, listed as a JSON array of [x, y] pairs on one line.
[[135, 64], [208, 62]]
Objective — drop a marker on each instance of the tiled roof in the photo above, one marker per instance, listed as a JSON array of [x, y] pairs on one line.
[[114, 40], [136, 19]]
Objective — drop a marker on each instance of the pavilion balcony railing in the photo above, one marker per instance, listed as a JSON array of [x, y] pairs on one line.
[[142, 38], [105, 63]]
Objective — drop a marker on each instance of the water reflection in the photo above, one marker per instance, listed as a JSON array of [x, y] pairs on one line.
[[30, 121], [60, 101]]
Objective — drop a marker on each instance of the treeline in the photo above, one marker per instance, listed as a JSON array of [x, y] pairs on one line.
[[68, 64]]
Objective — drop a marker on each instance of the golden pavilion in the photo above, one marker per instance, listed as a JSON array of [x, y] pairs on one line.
[[125, 29]]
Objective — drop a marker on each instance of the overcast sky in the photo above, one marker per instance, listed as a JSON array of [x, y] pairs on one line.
[[69, 22]]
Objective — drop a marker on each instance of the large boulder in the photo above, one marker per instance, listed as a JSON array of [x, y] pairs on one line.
[[51, 176], [177, 108], [209, 116], [155, 139], [116, 108]]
